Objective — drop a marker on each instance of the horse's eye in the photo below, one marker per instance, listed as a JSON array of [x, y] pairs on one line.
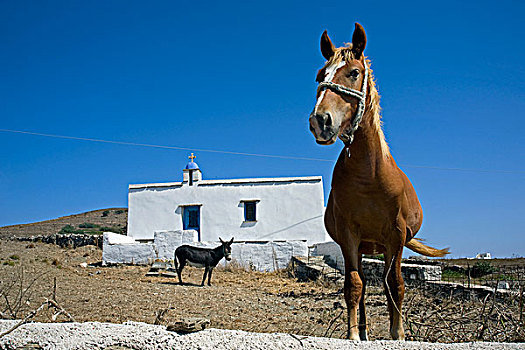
[[353, 74]]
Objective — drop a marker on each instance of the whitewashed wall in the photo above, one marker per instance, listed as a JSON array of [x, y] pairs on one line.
[[260, 256], [267, 256], [332, 253], [119, 249], [167, 241], [288, 209]]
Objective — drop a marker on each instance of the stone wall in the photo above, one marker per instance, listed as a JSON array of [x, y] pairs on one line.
[[66, 240], [315, 268], [374, 269]]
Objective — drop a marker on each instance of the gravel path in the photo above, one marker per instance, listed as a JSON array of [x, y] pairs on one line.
[[136, 335]]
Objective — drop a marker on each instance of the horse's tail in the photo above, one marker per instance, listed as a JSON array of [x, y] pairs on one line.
[[417, 246]]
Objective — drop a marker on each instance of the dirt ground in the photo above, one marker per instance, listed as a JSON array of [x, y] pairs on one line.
[[237, 299]]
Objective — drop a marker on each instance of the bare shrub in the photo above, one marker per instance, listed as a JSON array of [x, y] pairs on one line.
[[15, 292], [449, 320]]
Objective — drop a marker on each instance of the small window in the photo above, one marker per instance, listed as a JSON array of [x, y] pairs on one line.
[[193, 218], [250, 211]]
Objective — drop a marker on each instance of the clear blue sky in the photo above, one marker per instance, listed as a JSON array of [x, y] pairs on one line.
[[239, 76]]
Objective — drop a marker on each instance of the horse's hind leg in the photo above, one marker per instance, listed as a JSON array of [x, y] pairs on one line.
[[395, 292], [363, 335]]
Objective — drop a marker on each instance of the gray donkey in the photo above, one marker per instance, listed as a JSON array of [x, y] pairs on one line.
[[201, 257]]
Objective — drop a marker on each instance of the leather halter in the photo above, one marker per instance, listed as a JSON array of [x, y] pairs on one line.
[[347, 136]]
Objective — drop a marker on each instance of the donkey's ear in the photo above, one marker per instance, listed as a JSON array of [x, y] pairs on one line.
[[358, 40], [220, 239], [327, 48]]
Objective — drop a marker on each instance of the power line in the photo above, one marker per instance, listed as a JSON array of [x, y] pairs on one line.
[[247, 154], [164, 147]]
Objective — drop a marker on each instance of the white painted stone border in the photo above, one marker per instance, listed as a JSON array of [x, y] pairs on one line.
[[136, 335]]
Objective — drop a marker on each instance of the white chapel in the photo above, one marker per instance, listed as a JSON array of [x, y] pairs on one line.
[[255, 209]]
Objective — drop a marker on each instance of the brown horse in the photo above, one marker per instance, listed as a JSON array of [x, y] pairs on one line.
[[372, 207]]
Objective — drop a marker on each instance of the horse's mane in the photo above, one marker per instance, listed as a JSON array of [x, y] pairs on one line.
[[373, 109]]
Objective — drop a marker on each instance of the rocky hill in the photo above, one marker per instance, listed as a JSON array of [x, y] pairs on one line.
[[91, 221]]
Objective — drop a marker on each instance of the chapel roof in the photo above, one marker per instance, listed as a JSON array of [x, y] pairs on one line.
[[192, 165], [251, 181]]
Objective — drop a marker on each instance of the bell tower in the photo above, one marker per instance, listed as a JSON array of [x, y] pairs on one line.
[[191, 173]]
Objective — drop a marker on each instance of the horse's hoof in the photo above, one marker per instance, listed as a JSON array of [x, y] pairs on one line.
[[397, 334], [353, 337], [363, 335]]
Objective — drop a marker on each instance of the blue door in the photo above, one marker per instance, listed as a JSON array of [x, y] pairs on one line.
[[191, 219]]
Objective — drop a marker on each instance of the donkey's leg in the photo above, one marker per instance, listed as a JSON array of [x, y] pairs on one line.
[[209, 275], [182, 263], [206, 271], [363, 335], [353, 288], [395, 292]]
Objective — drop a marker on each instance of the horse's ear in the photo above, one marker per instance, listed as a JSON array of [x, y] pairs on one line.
[[358, 40], [231, 240], [327, 48], [220, 239]]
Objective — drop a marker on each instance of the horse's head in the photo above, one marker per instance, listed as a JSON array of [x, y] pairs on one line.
[[342, 90], [227, 248]]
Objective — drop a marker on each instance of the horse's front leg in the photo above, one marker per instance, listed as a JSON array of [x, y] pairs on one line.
[[353, 289], [363, 334], [395, 292]]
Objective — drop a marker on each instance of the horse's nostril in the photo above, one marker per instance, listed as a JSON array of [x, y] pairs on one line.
[[328, 121], [324, 119]]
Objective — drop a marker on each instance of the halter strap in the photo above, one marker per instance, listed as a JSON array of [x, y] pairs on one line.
[[348, 135]]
